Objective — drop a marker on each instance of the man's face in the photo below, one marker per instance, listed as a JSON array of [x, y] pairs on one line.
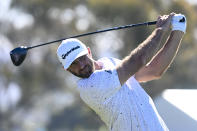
[[82, 67]]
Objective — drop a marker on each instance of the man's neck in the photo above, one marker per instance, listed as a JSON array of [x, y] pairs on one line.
[[98, 65]]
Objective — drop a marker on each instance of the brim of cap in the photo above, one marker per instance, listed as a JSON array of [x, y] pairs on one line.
[[77, 56]]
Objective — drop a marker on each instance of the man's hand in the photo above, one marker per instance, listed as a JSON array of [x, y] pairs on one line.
[[164, 22]]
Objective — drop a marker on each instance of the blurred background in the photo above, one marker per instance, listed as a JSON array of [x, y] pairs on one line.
[[40, 96]]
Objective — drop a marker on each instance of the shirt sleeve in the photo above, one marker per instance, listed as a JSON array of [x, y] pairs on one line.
[[103, 83]]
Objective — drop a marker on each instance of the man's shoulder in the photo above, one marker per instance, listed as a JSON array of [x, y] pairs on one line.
[[99, 78], [92, 78], [109, 60]]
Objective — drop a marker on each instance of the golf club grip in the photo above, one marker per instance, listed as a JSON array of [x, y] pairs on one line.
[[99, 31], [152, 23]]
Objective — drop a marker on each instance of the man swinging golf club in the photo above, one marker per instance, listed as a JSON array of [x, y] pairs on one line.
[[111, 87]]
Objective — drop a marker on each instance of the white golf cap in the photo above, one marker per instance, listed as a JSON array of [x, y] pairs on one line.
[[69, 50]]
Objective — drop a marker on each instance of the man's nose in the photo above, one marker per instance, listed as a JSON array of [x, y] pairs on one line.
[[81, 64]]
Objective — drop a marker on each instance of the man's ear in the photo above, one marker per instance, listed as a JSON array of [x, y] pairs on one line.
[[89, 51]]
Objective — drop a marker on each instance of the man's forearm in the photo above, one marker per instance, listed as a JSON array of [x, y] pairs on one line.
[[141, 55], [146, 50], [165, 56]]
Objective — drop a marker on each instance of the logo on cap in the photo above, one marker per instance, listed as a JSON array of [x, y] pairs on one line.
[[71, 50]]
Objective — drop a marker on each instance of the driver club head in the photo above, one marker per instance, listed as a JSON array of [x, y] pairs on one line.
[[18, 55]]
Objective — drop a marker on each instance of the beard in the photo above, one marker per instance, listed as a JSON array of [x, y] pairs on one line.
[[86, 71]]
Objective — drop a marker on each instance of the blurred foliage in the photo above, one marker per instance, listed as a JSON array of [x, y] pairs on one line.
[[41, 75]]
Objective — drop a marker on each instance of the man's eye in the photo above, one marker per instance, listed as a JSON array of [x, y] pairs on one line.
[[83, 57], [74, 63]]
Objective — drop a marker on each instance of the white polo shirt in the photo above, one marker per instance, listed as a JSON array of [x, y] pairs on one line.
[[126, 108]]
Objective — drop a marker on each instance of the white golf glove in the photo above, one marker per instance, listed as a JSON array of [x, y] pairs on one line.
[[177, 25]]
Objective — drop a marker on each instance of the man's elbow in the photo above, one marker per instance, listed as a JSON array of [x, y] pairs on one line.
[[147, 78], [158, 75]]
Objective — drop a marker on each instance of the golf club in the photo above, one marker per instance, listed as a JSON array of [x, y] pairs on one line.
[[18, 54]]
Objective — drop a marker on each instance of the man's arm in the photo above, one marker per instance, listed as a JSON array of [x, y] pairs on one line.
[[144, 52], [162, 60]]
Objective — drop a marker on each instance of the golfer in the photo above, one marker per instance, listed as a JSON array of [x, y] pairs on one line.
[[111, 87]]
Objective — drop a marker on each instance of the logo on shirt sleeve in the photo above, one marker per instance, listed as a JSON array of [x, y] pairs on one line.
[[108, 71]]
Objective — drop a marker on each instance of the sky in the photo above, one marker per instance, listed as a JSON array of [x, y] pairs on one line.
[[192, 1]]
